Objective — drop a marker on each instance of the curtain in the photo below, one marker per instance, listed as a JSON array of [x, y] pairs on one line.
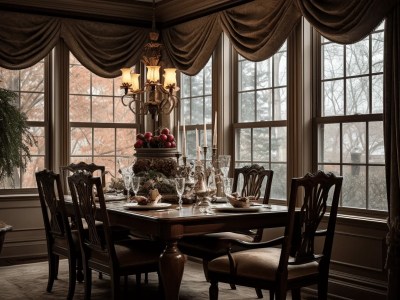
[[103, 48], [392, 147]]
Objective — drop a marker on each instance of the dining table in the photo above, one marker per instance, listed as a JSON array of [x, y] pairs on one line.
[[167, 224]]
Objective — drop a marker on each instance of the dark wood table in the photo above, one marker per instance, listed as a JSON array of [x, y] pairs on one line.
[[169, 225]]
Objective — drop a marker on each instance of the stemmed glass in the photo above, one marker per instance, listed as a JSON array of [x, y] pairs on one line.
[[180, 187], [228, 182], [224, 162], [136, 180], [127, 182]]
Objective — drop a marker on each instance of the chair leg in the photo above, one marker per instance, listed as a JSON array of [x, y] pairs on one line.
[[57, 263], [88, 282], [138, 279], [52, 276], [79, 269], [296, 294], [100, 275], [205, 269], [146, 278], [213, 290], [72, 278], [115, 286], [271, 294], [259, 293], [233, 286], [323, 289]]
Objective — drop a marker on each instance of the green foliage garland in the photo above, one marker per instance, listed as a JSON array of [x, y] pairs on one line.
[[15, 137]]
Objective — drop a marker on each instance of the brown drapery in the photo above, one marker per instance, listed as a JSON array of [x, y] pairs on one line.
[[256, 29], [392, 147]]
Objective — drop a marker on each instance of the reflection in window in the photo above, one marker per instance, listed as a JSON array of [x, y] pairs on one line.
[[350, 132], [102, 130], [29, 84], [262, 104]]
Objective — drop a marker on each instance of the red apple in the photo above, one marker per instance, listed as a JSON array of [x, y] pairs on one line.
[[140, 136], [163, 137], [170, 138], [173, 145], [148, 136], [165, 131], [167, 144], [138, 144]]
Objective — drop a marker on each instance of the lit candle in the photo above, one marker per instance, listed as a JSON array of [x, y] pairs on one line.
[[215, 131], [184, 140], [197, 146], [205, 136], [178, 142]]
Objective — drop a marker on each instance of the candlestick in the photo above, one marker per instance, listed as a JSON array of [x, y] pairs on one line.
[[205, 157], [215, 131], [178, 139], [205, 136]]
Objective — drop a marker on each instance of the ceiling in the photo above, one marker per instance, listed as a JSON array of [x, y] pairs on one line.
[[132, 12]]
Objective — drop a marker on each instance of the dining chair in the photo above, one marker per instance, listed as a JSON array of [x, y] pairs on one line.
[[100, 251], [61, 240], [209, 246], [72, 168], [291, 261]]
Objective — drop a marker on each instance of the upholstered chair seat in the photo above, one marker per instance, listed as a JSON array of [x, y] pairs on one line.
[[261, 264]]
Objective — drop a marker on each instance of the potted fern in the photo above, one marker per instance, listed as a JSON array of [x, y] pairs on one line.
[[15, 140], [15, 137]]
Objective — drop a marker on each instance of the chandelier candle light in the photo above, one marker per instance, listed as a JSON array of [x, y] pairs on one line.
[[159, 98]]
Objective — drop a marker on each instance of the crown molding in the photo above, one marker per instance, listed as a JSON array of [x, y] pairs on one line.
[[136, 13]]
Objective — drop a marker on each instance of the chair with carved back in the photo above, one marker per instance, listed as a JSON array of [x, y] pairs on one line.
[[101, 251], [92, 168], [210, 246], [291, 261], [61, 240]]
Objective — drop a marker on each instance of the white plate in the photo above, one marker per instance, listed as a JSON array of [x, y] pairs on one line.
[[114, 197], [146, 207], [237, 209]]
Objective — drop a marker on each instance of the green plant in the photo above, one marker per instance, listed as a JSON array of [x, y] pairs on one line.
[[15, 137]]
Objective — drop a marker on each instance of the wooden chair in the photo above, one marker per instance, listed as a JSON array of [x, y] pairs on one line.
[[92, 168], [210, 246], [61, 240], [287, 263], [101, 252]]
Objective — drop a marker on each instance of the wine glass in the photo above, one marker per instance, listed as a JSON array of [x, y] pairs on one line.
[[228, 182], [224, 162], [180, 187], [136, 180], [127, 182]]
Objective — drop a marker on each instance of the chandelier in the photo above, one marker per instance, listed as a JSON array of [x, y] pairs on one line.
[[158, 98]]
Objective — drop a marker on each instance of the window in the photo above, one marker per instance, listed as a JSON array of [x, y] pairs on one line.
[[102, 130], [350, 120], [260, 129], [30, 85], [196, 108]]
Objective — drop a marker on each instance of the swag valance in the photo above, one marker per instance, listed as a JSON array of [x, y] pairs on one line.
[[256, 30]]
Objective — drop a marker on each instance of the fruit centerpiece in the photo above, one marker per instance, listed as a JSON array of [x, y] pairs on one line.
[[157, 158]]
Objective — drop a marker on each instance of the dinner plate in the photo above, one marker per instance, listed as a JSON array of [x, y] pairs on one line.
[[237, 209], [114, 197], [136, 206]]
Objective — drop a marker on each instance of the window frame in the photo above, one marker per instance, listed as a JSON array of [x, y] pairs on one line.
[[318, 119]]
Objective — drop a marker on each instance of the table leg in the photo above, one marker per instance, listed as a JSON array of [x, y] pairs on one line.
[[172, 262]]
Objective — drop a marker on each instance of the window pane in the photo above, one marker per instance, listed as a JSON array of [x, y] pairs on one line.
[[264, 105], [357, 57], [102, 108], [333, 98], [122, 113], [197, 108], [125, 140], [278, 144], [280, 69], [354, 143], [329, 139], [261, 144], [81, 141], [40, 138], [102, 86], [32, 79], [357, 93], [332, 61], [243, 145], [33, 106], [79, 80], [280, 104], [377, 188], [104, 141], [377, 94], [264, 74], [79, 108], [354, 186], [247, 109], [247, 74], [278, 188], [36, 164], [198, 84], [376, 145], [377, 52]]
